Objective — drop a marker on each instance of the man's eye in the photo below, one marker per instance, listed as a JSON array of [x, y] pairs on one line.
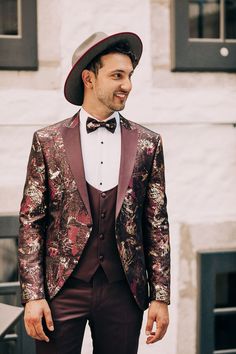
[[117, 76]]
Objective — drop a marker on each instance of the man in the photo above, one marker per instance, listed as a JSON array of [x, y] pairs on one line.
[[94, 236]]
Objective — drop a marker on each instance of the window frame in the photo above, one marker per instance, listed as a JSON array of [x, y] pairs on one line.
[[197, 54], [9, 229], [213, 262], [20, 52]]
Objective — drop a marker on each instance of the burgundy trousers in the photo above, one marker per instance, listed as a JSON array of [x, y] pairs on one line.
[[109, 308]]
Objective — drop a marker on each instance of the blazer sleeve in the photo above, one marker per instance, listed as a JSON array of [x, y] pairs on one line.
[[32, 226], [156, 230]]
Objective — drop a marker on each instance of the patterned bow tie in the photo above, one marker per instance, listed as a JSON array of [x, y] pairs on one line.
[[93, 124]]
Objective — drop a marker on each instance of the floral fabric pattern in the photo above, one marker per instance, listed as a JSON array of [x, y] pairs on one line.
[[55, 224]]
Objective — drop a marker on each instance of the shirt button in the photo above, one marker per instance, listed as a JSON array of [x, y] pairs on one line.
[[103, 194], [101, 258], [102, 215], [101, 237]]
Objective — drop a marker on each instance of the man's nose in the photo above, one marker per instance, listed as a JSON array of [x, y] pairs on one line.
[[126, 85]]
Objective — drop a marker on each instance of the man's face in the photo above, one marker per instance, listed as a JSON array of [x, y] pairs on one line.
[[112, 84]]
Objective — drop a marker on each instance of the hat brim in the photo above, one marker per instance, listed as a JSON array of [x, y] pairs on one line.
[[73, 88]]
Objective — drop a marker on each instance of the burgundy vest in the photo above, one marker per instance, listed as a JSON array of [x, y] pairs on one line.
[[101, 249]]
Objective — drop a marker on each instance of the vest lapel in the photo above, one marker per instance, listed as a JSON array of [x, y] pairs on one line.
[[129, 139], [72, 143]]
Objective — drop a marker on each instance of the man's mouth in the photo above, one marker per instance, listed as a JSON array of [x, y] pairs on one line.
[[121, 95]]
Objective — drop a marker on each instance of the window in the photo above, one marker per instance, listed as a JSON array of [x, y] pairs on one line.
[[15, 341], [217, 303], [18, 35], [204, 35]]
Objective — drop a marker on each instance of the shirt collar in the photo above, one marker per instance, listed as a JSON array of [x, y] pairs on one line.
[[84, 115]]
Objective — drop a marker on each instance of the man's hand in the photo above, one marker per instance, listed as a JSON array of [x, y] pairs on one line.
[[157, 312], [35, 310]]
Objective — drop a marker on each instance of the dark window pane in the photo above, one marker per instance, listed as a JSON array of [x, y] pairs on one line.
[[225, 290], [9, 299], [225, 337], [230, 17], [8, 17], [8, 260], [8, 348], [204, 18]]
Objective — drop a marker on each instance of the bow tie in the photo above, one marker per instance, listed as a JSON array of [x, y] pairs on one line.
[[93, 124]]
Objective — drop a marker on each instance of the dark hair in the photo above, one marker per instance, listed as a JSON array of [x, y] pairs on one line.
[[121, 47]]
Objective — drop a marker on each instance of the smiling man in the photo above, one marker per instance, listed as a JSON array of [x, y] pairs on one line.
[[94, 234]]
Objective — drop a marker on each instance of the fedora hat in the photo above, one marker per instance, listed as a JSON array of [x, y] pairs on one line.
[[87, 51]]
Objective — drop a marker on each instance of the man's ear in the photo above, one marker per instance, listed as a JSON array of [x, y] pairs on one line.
[[87, 78]]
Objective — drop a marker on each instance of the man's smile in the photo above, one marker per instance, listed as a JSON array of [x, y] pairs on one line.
[[121, 95]]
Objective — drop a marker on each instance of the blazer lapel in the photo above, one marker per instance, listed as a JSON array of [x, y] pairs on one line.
[[72, 143], [129, 139]]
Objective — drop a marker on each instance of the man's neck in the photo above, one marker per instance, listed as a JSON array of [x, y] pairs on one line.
[[100, 115], [84, 115]]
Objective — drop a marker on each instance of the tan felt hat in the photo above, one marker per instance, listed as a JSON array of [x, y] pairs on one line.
[[87, 51]]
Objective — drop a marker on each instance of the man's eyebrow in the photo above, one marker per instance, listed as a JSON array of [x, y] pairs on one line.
[[121, 71]]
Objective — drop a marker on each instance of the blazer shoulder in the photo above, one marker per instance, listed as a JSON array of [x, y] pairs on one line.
[[145, 133], [53, 130], [53, 127]]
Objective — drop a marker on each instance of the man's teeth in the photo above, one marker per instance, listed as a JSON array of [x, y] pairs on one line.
[[120, 95]]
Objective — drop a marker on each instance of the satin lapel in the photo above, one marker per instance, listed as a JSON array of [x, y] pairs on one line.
[[72, 143], [129, 139]]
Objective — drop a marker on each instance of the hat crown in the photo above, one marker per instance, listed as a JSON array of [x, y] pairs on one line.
[[87, 44]]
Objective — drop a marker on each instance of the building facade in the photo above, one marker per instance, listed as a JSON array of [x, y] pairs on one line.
[[193, 110]]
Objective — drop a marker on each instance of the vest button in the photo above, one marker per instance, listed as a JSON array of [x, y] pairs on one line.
[[101, 237], [101, 257], [103, 194], [102, 215]]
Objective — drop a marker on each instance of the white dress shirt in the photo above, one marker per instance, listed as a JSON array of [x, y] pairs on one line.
[[101, 151]]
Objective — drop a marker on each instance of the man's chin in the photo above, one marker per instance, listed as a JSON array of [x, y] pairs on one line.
[[118, 108]]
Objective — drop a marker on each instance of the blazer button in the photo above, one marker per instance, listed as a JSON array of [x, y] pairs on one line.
[[101, 258], [101, 237], [102, 215], [103, 194]]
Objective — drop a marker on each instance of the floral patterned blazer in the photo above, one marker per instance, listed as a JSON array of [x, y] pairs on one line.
[[55, 216]]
